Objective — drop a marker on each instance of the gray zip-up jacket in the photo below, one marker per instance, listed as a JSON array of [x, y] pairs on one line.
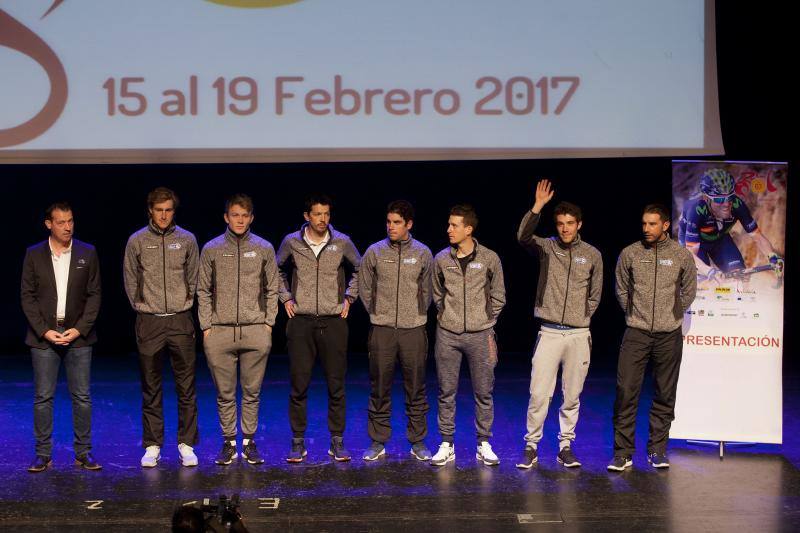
[[570, 276], [239, 282], [317, 283], [394, 283], [160, 269], [656, 285], [468, 301]]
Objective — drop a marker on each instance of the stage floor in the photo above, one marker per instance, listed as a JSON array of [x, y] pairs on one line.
[[754, 488]]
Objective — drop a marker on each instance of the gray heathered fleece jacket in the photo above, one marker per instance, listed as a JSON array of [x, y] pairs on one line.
[[570, 276], [468, 301], [160, 269], [656, 285], [238, 281], [394, 283], [317, 284]]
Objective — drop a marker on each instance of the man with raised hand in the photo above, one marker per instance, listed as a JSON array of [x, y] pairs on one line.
[[317, 300], [568, 293], [237, 297], [160, 272], [395, 286], [469, 294]]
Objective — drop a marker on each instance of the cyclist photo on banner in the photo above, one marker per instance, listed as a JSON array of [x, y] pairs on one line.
[[715, 201]]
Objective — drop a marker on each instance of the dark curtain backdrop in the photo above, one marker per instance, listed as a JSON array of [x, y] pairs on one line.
[[754, 67]]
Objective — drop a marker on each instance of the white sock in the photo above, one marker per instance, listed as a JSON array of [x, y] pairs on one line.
[[245, 442]]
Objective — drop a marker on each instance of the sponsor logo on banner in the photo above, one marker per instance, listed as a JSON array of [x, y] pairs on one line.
[[723, 290]]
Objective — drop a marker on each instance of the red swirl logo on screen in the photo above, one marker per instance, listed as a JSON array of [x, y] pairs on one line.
[[16, 36]]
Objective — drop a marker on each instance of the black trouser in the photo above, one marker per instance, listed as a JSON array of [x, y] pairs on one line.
[[175, 335], [387, 345], [638, 346], [309, 337]]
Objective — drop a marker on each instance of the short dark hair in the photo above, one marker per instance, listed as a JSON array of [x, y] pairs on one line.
[[162, 194], [657, 209], [188, 519], [240, 199], [317, 198], [468, 213], [402, 208], [61, 206], [567, 208]]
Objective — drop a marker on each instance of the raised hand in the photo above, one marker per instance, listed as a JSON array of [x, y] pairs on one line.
[[544, 193]]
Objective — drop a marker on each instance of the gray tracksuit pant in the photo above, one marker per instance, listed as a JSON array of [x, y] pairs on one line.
[[570, 349], [248, 346], [480, 349]]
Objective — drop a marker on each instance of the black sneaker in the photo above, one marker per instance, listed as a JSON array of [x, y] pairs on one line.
[[87, 462], [530, 459], [250, 453], [40, 464], [298, 452], [337, 449], [567, 458], [658, 460], [620, 463], [227, 454]]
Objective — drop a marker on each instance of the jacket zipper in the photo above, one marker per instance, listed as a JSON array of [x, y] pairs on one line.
[[397, 294], [566, 292], [238, 275], [655, 288], [164, 265], [464, 275]]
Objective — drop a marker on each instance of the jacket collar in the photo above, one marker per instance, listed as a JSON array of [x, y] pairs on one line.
[[158, 231], [232, 237], [454, 250], [573, 244]]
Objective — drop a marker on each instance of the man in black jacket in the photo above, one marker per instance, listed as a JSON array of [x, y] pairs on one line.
[[60, 294]]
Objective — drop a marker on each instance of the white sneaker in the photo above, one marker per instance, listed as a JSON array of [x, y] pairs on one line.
[[152, 454], [486, 454], [188, 458], [446, 453]]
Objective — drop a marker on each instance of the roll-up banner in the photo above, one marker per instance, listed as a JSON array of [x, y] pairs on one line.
[[731, 215], [301, 80]]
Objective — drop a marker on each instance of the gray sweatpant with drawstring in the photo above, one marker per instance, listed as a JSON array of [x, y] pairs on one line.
[[245, 347], [569, 349]]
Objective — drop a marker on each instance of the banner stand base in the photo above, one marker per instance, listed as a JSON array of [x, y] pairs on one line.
[[721, 444]]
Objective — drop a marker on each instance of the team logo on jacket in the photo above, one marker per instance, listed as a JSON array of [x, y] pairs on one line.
[[81, 261], [174, 246], [410, 261], [251, 253], [581, 260], [476, 266], [332, 248], [665, 262]]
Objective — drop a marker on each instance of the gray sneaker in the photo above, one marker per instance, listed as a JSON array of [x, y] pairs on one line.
[[374, 452], [420, 451]]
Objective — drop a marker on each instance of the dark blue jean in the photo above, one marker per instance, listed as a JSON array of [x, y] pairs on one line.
[[78, 362]]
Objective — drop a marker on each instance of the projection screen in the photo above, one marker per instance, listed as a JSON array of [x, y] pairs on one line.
[[355, 80]]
